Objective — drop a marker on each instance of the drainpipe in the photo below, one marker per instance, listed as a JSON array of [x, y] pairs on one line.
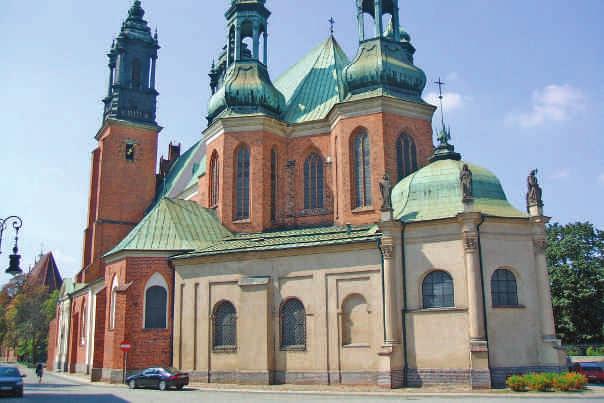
[[378, 242], [484, 294], [404, 313], [173, 305]]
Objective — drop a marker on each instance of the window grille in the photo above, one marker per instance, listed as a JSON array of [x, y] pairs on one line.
[[362, 170], [406, 155], [274, 166], [437, 290], [503, 288], [293, 324], [225, 326], [313, 182], [242, 206], [156, 302], [214, 180]]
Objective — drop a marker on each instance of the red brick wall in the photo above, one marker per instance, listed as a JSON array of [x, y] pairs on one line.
[[383, 130], [79, 306], [99, 329], [150, 347], [52, 344], [120, 191]]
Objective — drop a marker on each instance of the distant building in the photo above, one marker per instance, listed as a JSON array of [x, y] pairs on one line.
[[45, 273], [313, 234]]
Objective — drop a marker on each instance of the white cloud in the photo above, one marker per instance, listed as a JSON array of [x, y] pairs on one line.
[[560, 174], [554, 103], [451, 100]]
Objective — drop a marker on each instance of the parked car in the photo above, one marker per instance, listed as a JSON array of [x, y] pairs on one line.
[[161, 378], [592, 370], [11, 381]]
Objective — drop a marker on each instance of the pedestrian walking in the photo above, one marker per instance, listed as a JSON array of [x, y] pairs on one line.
[[40, 371]]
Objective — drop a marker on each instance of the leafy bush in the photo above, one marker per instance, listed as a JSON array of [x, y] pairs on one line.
[[563, 383], [517, 383], [577, 381], [539, 382], [544, 382], [595, 351]]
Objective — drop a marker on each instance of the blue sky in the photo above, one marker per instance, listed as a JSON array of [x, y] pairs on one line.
[[524, 91]]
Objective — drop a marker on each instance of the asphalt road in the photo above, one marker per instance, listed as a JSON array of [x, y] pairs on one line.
[[56, 389]]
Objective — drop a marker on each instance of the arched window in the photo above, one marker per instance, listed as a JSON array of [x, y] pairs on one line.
[[113, 302], [504, 291], [361, 170], [293, 324], [355, 320], [274, 178], [437, 290], [225, 325], [406, 156], [136, 74], [313, 182], [242, 180], [83, 324], [214, 180]]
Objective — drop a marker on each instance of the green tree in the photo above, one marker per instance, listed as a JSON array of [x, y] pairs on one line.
[[575, 257]]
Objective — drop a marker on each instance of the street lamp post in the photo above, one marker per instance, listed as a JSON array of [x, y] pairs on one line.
[[15, 258]]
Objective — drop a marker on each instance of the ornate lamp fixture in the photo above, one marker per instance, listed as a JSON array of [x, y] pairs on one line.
[[15, 258]]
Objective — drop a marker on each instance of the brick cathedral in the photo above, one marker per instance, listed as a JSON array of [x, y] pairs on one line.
[[313, 234]]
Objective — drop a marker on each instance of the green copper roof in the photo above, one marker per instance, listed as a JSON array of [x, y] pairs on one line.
[[247, 90], [434, 192], [174, 225], [199, 170], [314, 85], [291, 239], [172, 184]]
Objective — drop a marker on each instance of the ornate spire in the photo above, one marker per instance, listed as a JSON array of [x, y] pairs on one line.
[[445, 150], [131, 91]]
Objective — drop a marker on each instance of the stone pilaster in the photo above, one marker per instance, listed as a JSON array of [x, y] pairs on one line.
[[479, 351]]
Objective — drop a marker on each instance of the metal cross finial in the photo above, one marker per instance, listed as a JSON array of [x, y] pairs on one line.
[[332, 22], [440, 97]]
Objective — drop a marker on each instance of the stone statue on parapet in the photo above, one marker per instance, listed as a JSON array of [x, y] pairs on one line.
[[386, 191], [465, 180], [534, 196]]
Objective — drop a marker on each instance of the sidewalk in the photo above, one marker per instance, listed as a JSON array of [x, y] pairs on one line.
[[345, 390]]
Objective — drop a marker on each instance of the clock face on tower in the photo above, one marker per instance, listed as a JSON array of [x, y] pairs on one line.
[[130, 150]]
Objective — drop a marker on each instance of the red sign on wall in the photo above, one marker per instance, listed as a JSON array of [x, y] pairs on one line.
[[125, 346]]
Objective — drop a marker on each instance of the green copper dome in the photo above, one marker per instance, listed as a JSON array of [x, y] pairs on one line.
[[434, 192], [386, 66], [247, 89]]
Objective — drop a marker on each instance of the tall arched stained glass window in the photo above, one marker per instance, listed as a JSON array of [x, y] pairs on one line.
[[242, 182], [406, 156], [361, 170], [156, 305], [274, 177], [504, 290], [293, 324], [313, 182], [437, 290], [214, 180], [225, 326]]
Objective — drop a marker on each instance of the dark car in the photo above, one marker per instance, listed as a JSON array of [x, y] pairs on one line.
[[161, 378], [11, 381], [592, 370]]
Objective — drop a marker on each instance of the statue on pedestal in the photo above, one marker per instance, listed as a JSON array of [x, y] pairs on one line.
[[534, 194], [465, 180], [386, 191]]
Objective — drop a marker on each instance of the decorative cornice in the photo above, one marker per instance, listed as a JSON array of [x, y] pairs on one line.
[[242, 124], [470, 241], [540, 244]]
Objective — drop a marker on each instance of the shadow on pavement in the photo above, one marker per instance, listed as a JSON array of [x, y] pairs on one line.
[[64, 398]]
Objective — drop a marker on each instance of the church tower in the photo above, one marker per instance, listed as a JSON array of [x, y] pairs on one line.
[[241, 84], [123, 180]]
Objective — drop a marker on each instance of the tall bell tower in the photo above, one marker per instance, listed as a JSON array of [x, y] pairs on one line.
[[123, 180]]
